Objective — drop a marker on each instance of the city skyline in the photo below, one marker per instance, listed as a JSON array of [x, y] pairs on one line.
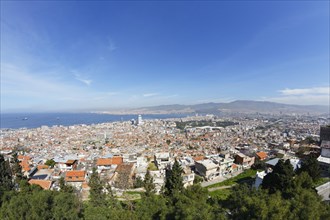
[[62, 56]]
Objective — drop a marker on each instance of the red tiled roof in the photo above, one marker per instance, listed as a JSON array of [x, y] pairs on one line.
[[75, 176], [22, 157], [262, 155], [198, 158], [42, 166], [45, 184], [70, 162], [25, 165], [109, 161], [125, 168]]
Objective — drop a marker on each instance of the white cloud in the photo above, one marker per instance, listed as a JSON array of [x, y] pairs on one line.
[[306, 91], [82, 79], [150, 94], [24, 89], [303, 100], [303, 96]]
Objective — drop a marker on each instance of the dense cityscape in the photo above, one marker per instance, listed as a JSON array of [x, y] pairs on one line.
[[210, 150]]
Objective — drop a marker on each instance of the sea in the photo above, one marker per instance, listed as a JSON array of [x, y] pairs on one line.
[[35, 120]]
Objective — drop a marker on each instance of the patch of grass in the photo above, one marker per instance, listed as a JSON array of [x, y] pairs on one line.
[[244, 177], [321, 181], [221, 194], [130, 195], [152, 166], [133, 192]]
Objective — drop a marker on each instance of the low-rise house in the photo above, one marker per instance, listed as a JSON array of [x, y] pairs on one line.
[[123, 177], [26, 167], [207, 168], [68, 162], [296, 163], [68, 165], [324, 158], [26, 164], [226, 165], [45, 184], [244, 160], [259, 178], [159, 179], [162, 160], [129, 158], [188, 177], [198, 158], [108, 163], [261, 155], [75, 178], [234, 168], [43, 174]]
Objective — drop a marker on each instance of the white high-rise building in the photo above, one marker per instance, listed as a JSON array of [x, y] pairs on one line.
[[139, 120]]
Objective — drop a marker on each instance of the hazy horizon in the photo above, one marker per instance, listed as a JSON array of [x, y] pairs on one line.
[[63, 56], [100, 110]]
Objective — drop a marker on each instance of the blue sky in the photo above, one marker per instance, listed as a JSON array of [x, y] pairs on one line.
[[66, 56]]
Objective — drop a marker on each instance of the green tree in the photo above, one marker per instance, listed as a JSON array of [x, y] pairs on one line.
[[174, 180], [303, 180], [64, 187], [306, 204], [138, 182], [66, 206], [5, 175], [198, 179], [16, 168], [148, 184], [247, 203], [152, 207], [50, 163], [280, 179], [311, 166], [32, 203], [17, 207], [192, 203], [96, 194], [41, 203]]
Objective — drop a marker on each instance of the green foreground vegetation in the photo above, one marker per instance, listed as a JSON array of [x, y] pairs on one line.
[[283, 195], [220, 194], [321, 181]]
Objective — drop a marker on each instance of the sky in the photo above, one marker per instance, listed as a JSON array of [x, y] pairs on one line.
[[99, 55]]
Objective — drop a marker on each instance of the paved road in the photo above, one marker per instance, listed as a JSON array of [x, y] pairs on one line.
[[324, 191]]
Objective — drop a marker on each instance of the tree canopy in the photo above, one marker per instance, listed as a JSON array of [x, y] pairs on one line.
[[174, 180], [280, 179], [311, 166], [50, 163], [298, 200]]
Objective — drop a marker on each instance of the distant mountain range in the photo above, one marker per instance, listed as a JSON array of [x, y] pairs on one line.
[[239, 106]]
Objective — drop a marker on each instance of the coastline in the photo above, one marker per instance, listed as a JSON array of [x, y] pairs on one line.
[[36, 120]]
